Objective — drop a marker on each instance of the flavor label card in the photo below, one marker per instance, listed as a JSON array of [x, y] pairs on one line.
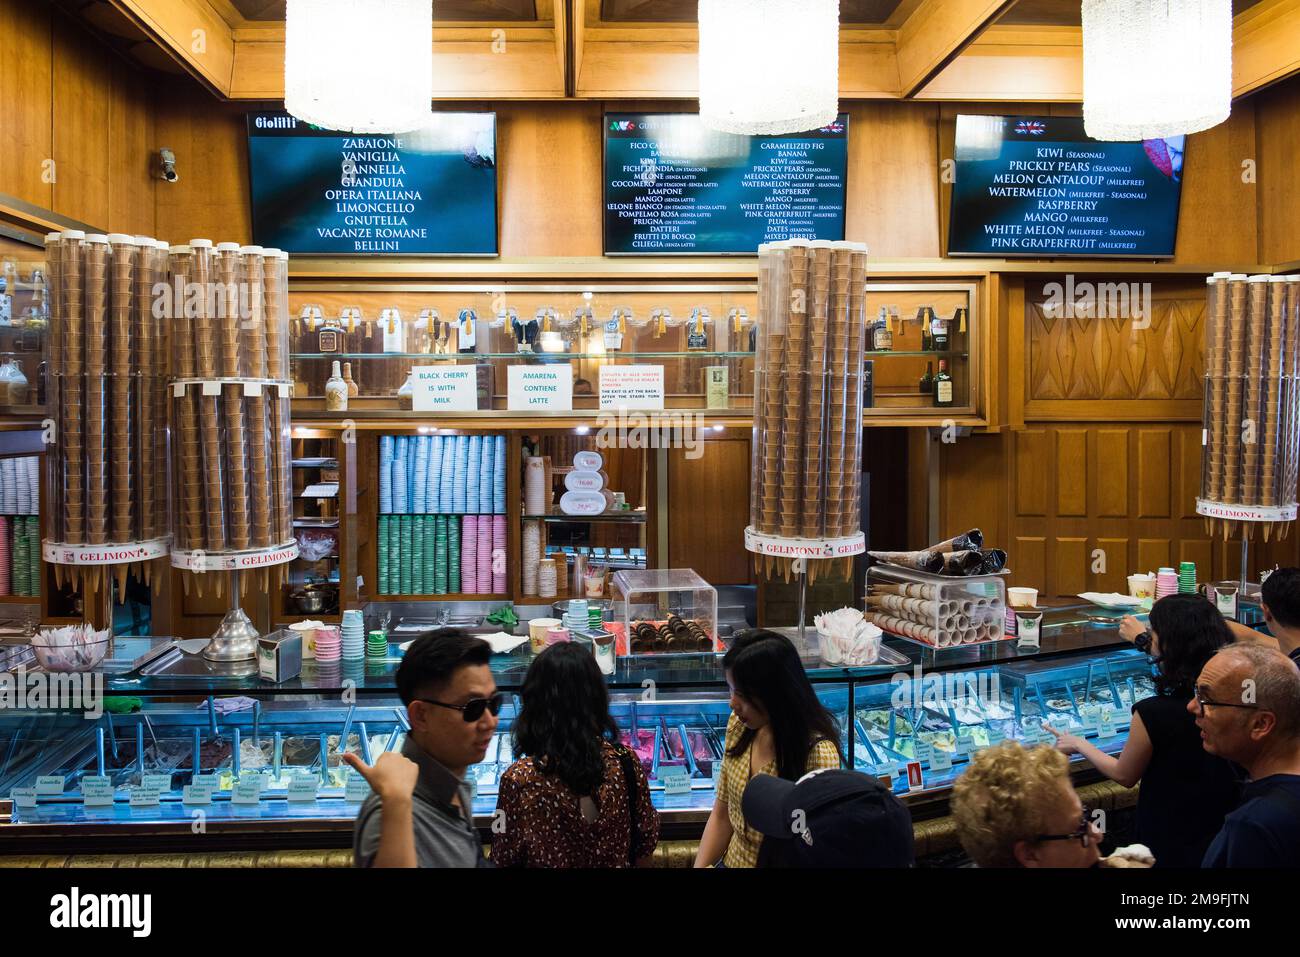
[[156, 782], [49, 784], [303, 788], [356, 789], [96, 790], [248, 791], [144, 797], [675, 780], [23, 797], [940, 760]]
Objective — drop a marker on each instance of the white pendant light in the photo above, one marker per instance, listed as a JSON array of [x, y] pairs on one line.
[[361, 66], [769, 66], [1155, 68]]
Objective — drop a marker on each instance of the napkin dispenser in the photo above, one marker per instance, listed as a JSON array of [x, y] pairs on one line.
[[279, 656]]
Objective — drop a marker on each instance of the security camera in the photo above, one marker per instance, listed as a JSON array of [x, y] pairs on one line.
[[167, 165]]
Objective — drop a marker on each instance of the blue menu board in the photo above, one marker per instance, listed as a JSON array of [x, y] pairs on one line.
[[431, 191], [673, 187], [1039, 186]]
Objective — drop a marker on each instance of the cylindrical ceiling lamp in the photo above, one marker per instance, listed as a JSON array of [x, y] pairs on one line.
[[769, 66], [1155, 68], [359, 66]]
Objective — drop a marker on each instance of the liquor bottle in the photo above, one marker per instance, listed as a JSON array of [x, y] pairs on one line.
[[938, 332], [353, 388], [336, 391], [884, 334], [927, 380], [943, 385], [923, 316], [394, 334], [697, 340]]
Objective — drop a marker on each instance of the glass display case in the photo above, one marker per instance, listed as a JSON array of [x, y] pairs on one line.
[[921, 348], [24, 323], [702, 335], [274, 767]]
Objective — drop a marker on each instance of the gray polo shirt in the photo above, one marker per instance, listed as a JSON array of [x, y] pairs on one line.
[[444, 833]]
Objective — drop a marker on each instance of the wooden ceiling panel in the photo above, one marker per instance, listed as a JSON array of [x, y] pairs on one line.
[[1066, 13], [458, 10], [856, 12]]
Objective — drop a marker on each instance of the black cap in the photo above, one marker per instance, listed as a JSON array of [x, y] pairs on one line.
[[829, 818]]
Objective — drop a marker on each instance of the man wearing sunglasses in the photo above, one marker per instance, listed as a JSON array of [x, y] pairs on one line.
[[1247, 705], [421, 811]]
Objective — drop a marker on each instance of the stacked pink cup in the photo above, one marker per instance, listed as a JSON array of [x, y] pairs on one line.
[[499, 548], [468, 556], [1166, 583], [484, 553], [328, 646]]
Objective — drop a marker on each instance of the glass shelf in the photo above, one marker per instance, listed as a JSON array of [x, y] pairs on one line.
[[628, 517], [481, 356], [921, 354]]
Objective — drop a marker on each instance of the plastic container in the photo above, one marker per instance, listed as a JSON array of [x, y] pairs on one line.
[[654, 595], [936, 610]]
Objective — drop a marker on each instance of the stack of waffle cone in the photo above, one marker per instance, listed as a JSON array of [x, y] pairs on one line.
[[838, 343], [213, 492], [144, 327], [190, 479], [812, 475], [70, 361], [1216, 390], [252, 271], [121, 437], [1238, 327], [796, 309], [229, 304], [275, 308], [236, 479], [1257, 298], [1274, 329], [96, 280], [181, 323], [259, 465], [280, 465]]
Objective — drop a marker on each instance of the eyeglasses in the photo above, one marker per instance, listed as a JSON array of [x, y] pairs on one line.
[[1084, 835], [1202, 701], [472, 709]]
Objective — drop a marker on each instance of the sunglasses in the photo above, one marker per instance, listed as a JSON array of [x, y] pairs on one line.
[[472, 709], [1202, 702], [1084, 835]]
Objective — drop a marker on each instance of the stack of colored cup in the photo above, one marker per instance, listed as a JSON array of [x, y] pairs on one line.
[[575, 618], [1187, 577], [595, 620], [1166, 583], [353, 635], [327, 644], [376, 645]]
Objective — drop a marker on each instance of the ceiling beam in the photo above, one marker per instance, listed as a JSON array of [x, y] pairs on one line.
[[1029, 64], [936, 33], [193, 33], [1265, 45]]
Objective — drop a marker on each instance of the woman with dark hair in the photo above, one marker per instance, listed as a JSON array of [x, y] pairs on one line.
[[1185, 792], [777, 726], [576, 797]]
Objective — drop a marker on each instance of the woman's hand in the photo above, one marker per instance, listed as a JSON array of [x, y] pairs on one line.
[[1066, 743], [1130, 628]]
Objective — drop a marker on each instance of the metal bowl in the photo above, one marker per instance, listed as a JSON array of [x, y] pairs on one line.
[[311, 601]]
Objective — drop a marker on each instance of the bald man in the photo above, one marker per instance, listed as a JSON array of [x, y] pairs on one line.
[[1247, 705]]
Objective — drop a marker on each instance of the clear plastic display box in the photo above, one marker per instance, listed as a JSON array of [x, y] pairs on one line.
[[679, 605], [937, 610]]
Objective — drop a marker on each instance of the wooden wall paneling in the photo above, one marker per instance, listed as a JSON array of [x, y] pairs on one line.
[[25, 91], [893, 177], [708, 509], [1072, 472], [1277, 130], [131, 182], [1033, 471], [1153, 553], [1115, 552], [1153, 473], [1007, 63], [1188, 478], [936, 32], [550, 201], [1071, 567], [1198, 550], [1217, 219], [211, 199], [1111, 473], [82, 139], [1027, 559], [918, 483], [1265, 44], [974, 487]]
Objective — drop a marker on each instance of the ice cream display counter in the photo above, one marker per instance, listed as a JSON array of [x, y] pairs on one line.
[[180, 740]]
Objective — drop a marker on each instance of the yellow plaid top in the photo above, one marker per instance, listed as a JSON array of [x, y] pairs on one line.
[[745, 842]]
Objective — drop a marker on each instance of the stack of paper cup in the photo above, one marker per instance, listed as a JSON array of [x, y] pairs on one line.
[[575, 617], [532, 556], [483, 552], [547, 582], [353, 634], [469, 555], [1166, 583], [1187, 577], [536, 496], [498, 548], [327, 644]]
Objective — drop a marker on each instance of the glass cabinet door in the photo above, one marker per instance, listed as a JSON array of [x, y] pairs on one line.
[[921, 349]]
